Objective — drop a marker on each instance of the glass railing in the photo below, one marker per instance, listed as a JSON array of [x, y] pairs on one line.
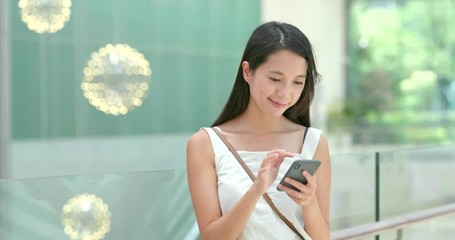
[[156, 204], [441, 228], [396, 227], [133, 205], [415, 179], [353, 190], [405, 183]]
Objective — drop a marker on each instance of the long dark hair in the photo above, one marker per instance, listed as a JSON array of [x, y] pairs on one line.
[[266, 39]]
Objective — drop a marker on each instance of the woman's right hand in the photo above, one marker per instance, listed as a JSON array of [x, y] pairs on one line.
[[269, 169]]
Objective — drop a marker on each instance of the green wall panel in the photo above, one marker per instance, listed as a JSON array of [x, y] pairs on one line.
[[25, 89], [193, 47]]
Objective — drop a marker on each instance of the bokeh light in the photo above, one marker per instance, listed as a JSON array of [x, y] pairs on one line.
[[86, 217], [45, 16], [116, 79]]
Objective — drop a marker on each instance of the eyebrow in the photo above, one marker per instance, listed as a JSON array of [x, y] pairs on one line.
[[282, 74]]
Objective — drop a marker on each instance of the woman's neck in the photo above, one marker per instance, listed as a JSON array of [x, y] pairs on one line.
[[258, 123]]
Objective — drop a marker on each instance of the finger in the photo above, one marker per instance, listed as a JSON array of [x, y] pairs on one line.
[[282, 153], [278, 162], [311, 179], [281, 157], [286, 154], [300, 186], [296, 196], [281, 187], [304, 188], [269, 160], [271, 156], [289, 191], [276, 151]]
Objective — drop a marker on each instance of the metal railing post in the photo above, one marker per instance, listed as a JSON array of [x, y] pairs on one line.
[[377, 191], [5, 101], [400, 234]]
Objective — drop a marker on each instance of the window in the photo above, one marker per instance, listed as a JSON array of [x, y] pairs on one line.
[[401, 72]]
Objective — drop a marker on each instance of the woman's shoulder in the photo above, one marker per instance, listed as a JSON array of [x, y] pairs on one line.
[[199, 145], [200, 137]]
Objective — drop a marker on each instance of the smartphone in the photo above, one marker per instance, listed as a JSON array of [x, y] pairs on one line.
[[296, 169]]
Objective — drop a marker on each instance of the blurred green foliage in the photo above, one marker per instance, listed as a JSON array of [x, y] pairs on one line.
[[401, 62]]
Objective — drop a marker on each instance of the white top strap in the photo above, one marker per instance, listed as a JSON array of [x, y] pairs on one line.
[[217, 144], [311, 141]]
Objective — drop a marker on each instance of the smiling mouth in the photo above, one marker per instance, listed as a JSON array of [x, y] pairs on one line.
[[277, 104]]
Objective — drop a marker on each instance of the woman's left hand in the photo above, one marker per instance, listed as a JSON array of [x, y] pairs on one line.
[[305, 193]]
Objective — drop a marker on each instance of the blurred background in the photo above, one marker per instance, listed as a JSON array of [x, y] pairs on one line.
[[98, 99]]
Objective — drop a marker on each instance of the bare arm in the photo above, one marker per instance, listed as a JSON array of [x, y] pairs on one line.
[[202, 181], [316, 212]]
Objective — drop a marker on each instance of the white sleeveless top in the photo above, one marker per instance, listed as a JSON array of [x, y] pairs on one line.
[[233, 182]]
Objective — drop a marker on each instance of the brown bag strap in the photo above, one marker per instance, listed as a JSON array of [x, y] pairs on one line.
[[248, 171]]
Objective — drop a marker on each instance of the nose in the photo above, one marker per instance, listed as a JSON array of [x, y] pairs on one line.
[[283, 91]]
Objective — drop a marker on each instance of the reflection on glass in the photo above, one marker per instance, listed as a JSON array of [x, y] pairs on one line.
[[86, 216], [45, 16], [116, 79]]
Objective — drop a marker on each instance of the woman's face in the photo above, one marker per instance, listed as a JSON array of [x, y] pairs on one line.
[[276, 84]]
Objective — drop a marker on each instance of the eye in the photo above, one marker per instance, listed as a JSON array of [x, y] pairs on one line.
[[298, 82], [274, 79]]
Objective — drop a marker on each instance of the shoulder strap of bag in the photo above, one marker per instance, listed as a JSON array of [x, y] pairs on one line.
[[265, 195]]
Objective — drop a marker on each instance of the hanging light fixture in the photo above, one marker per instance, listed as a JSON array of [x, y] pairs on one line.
[[116, 79], [45, 16], [86, 216]]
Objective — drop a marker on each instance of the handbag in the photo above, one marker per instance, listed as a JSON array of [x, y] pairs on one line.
[[250, 174]]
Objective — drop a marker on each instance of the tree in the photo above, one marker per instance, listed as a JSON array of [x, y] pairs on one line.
[[402, 59]]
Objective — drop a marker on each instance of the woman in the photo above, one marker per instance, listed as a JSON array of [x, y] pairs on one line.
[[267, 120]]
